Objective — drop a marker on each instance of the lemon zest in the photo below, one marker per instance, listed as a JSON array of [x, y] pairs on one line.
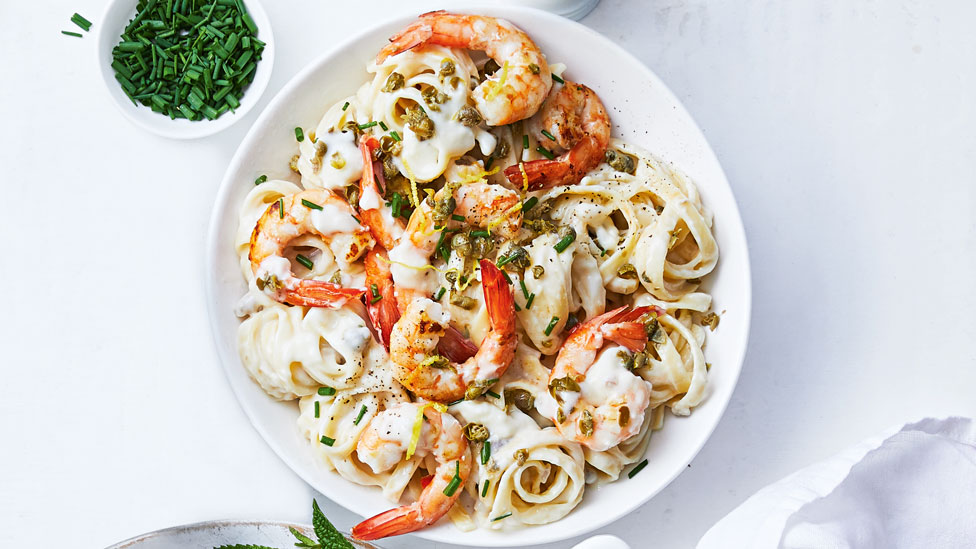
[[418, 425], [413, 183], [499, 84], [516, 208], [525, 178]]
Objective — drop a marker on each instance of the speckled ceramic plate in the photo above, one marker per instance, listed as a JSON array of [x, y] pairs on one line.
[[207, 535]]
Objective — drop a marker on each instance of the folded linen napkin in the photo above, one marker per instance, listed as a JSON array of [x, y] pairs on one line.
[[911, 487]]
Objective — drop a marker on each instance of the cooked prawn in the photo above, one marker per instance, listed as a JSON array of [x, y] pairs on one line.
[[516, 90], [382, 446], [375, 214], [433, 377], [575, 116], [608, 407], [313, 211], [490, 206]]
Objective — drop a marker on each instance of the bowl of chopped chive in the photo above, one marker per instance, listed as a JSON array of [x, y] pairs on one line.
[[185, 69]]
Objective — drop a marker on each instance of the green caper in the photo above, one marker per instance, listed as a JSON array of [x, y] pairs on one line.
[[337, 161], [620, 161], [481, 246], [626, 358], [586, 423], [565, 383], [389, 168], [538, 271], [434, 98], [522, 399], [420, 123], [463, 301], [436, 361], [394, 82], [352, 194], [336, 277], [390, 146], [654, 332], [533, 68], [627, 271], [640, 360], [469, 116], [444, 208], [517, 260], [461, 244], [451, 275], [447, 67], [476, 432], [623, 417], [521, 455]]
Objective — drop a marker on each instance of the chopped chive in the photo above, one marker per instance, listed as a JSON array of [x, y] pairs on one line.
[[507, 278], [493, 394], [528, 302], [506, 515], [565, 241], [304, 261], [396, 204], [317, 408], [633, 472], [311, 205], [261, 179], [367, 125], [525, 142], [345, 105], [457, 217], [603, 253], [440, 293], [81, 22], [327, 391], [525, 291], [552, 324], [328, 441], [549, 135], [558, 79], [452, 486], [485, 452], [362, 412], [517, 308], [458, 401], [299, 135], [281, 208], [395, 135], [383, 126], [69, 33], [545, 152], [529, 204], [484, 491], [489, 162], [483, 234], [375, 299], [374, 290]]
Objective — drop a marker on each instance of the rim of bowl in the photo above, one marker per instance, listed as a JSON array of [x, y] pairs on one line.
[[732, 224], [159, 124]]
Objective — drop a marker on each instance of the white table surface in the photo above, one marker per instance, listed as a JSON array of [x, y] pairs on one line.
[[847, 130]]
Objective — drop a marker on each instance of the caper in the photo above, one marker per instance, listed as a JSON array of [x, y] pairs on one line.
[[462, 244], [451, 275], [586, 423], [337, 161], [521, 455], [476, 432], [518, 260], [433, 98], [390, 146], [394, 82], [533, 68], [481, 246], [522, 399], [436, 361], [623, 417], [565, 383], [463, 301], [626, 358], [627, 271], [640, 360], [447, 67], [352, 194], [619, 161], [420, 123], [538, 271], [469, 116], [293, 164], [444, 208], [336, 277]]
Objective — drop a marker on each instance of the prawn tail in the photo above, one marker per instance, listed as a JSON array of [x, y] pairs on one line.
[[401, 520], [381, 304], [498, 298], [414, 35], [455, 347], [318, 293], [538, 174], [367, 144], [623, 315], [629, 334]]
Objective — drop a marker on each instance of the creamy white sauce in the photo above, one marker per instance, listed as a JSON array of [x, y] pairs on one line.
[[332, 219], [507, 432], [339, 145], [279, 267], [404, 257], [395, 427], [370, 199], [608, 379]]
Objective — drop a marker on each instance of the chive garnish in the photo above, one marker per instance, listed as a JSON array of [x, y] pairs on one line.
[[493, 394], [455, 481], [637, 469], [485, 452], [528, 302], [367, 125], [484, 491], [552, 324], [383, 126], [483, 234], [545, 152], [507, 278], [261, 179], [565, 241], [281, 208], [317, 408], [299, 135], [489, 162], [517, 308], [558, 79], [373, 289], [328, 441], [69, 33], [458, 401], [362, 412], [304, 261], [440, 293], [525, 141], [457, 217], [327, 391], [525, 291], [505, 259], [529, 204], [85, 24], [506, 515], [395, 135], [345, 105], [549, 135], [311, 205]]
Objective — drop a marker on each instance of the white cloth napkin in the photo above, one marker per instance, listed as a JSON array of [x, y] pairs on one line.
[[911, 487]]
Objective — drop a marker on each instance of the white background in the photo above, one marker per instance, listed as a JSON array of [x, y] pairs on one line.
[[848, 133]]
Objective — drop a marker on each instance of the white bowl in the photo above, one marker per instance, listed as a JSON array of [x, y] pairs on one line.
[[109, 29], [643, 110]]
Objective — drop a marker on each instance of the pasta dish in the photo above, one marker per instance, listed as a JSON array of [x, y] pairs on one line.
[[482, 301]]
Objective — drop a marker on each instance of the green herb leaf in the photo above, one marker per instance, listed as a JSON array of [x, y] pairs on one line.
[[329, 537], [243, 546], [304, 541]]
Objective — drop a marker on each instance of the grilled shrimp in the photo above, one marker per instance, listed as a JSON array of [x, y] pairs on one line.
[[315, 211], [595, 399], [433, 377], [574, 115], [375, 214], [382, 446], [516, 90]]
